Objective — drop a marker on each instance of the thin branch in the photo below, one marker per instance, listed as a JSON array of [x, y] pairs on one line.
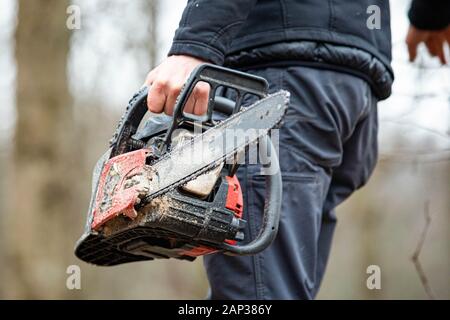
[[415, 257]]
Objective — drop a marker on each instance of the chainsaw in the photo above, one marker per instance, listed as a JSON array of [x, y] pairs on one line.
[[167, 187]]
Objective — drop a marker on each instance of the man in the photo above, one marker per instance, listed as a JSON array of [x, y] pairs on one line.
[[337, 67]]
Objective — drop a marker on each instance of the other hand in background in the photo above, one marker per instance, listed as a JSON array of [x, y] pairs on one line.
[[430, 24]]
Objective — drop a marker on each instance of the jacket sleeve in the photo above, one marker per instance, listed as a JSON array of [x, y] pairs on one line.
[[430, 14], [207, 28]]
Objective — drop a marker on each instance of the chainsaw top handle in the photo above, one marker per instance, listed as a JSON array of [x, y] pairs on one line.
[[216, 76]]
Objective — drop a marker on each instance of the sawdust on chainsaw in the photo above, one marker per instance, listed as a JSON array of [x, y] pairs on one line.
[[158, 207]]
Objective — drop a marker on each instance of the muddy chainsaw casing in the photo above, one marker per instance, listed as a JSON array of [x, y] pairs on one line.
[[201, 215]]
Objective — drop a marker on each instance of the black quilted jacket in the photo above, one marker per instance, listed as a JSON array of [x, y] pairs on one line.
[[321, 33]]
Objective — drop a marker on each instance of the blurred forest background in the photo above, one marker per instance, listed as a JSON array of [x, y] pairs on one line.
[[62, 92]]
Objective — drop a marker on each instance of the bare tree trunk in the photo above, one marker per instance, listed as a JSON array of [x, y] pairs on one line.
[[152, 43], [41, 198]]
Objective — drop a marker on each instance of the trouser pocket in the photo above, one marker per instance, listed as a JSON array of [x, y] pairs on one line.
[[286, 270]]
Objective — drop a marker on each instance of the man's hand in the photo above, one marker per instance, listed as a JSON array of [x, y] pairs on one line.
[[434, 40], [165, 83]]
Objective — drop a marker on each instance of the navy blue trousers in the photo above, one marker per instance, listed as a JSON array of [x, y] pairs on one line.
[[328, 149]]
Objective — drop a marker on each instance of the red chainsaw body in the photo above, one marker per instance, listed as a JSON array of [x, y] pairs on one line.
[[113, 196]]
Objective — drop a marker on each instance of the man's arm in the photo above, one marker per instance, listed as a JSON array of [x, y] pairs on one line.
[[430, 21], [205, 33]]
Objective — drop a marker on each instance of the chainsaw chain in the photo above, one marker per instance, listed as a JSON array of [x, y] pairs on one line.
[[221, 126]]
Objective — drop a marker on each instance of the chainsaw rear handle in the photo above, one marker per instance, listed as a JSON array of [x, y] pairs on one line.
[[215, 76], [272, 206]]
